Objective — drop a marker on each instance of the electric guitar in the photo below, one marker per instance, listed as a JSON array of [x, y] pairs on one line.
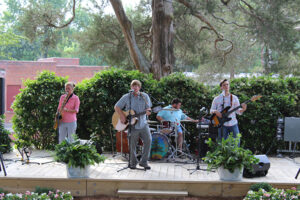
[[219, 121], [119, 126]]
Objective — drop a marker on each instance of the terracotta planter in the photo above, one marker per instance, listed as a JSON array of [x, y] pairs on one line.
[[226, 175], [77, 172]]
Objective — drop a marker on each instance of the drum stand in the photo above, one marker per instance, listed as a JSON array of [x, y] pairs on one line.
[[175, 150]]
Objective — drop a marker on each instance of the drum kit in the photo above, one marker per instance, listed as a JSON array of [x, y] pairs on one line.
[[164, 145], [164, 141]]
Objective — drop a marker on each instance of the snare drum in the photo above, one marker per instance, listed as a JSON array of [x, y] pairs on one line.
[[167, 127], [159, 146]]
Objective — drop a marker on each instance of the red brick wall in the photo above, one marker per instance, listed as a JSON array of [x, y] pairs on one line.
[[17, 71]]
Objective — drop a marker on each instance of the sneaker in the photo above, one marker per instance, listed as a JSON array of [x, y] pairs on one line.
[[145, 166]]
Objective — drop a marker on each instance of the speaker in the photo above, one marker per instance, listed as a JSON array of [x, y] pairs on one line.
[[259, 169]]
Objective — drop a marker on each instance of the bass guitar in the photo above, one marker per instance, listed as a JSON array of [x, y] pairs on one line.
[[119, 126], [219, 121]]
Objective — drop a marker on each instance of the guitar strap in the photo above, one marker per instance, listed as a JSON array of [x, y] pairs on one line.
[[144, 99], [60, 117], [224, 102]]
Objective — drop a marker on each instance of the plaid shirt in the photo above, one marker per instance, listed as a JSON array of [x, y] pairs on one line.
[[218, 102]]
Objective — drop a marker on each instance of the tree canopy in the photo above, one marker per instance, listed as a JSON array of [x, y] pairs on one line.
[[162, 36]]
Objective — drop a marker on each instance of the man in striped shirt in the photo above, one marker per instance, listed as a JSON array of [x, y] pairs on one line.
[[222, 101]]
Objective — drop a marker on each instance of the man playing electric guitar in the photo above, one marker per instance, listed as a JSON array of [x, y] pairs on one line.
[[138, 102], [222, 101]]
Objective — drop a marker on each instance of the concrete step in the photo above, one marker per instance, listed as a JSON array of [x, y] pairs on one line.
[[151, 193]]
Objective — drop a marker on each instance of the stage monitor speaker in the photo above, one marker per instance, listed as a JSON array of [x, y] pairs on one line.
[[2, 96], [259, 169], [291, 129]]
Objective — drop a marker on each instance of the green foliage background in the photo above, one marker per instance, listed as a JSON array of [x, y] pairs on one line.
[[4, 138], [36, 105]]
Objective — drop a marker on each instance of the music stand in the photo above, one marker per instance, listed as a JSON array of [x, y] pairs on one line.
[[2, 164]]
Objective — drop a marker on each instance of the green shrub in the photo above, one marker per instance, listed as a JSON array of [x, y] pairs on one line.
[[266, 186], [4, 137], [35, 107]]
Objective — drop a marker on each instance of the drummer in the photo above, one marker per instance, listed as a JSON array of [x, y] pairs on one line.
[[174, 114]]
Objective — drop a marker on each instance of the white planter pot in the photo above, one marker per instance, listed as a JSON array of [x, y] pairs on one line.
[[226, 175], [77, 172]]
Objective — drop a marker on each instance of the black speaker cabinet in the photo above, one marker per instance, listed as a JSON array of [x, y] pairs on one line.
[[259, 169]]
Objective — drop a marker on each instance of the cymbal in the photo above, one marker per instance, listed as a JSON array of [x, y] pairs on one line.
[[170, 109], [152, 122], [190, 121]]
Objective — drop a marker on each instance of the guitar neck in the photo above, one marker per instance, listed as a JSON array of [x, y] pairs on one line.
[[235, 109]]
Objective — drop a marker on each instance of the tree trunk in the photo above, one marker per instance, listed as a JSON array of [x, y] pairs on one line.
[[232, 73], [163, 58], [139, 60]]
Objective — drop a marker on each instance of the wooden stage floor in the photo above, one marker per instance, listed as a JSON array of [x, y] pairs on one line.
[[105, 180]]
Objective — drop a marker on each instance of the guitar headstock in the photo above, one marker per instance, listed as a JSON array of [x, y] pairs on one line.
[[255, 97]]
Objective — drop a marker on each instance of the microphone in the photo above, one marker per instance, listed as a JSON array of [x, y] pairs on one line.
[[161, 103], [131, 90], [202, 109]]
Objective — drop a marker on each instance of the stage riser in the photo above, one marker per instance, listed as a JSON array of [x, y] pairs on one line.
[[92, 187]]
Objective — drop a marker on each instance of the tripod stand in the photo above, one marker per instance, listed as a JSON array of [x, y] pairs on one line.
[[297, 174], [2, 164]]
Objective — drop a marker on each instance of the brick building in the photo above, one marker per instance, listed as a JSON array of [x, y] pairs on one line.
[[13, 72]]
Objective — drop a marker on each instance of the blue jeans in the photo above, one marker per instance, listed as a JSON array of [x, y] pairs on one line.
[[227, 130]]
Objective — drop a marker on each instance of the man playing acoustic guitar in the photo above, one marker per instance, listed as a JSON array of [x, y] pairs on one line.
[[141, 104], [222, 101]]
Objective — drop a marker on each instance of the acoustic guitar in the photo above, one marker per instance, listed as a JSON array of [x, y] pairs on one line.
[[219, 121], [119, 126]]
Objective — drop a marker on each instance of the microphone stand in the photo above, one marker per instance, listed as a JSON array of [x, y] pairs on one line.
[[2, 164], [129, 136], [199, 146], [155, 100]]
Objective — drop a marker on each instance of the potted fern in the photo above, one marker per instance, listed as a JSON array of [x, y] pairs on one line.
[[229, 158], [78, 157]]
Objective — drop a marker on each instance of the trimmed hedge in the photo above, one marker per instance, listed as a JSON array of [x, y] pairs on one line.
[[36, 105]]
